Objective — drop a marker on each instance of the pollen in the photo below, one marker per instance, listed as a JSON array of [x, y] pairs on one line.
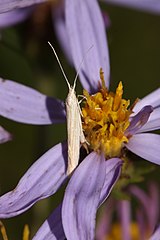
[[105, 118]]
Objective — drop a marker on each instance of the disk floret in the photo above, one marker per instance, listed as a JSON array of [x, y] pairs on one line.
[[105, 120]]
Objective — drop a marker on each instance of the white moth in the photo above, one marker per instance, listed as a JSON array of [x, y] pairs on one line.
[[74, 125]]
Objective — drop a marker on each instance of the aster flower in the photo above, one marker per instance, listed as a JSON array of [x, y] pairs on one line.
[[142, 117], [95, 176], [147, 217], [29, 106], [125, 227]]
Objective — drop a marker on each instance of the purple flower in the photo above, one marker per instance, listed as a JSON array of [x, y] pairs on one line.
[[24, 104], [147, 217], [146, 112], [125, 227], [92, 181]]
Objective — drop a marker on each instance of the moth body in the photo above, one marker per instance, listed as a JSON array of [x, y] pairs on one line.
[[74, 130], [74, 124]]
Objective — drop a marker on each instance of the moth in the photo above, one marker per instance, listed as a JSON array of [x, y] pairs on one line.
[[74, 124]]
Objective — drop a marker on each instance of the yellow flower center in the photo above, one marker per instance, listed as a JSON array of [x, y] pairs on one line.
[[116, 232], [105, 119]]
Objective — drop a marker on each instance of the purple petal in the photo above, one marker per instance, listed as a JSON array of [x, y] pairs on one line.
[[125, 218], [4, 135], [141, 221], [89, 186], [146, 145], [81, 198], [42, 179], [61, 31], [152, 99], [139, 120], [106, 19], [26, 105], [140, 195], [144, 5], [153, 122], [156, 234], [146, 200], [85, 29], [10, 18], [104, 223], [8, 5], [154, 201], [52, 228], [113, 171]]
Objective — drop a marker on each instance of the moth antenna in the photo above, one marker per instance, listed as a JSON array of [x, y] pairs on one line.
[[82, 61], [60, 65]]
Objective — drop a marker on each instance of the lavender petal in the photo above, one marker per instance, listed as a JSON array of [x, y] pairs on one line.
[[81, 198], [125, 218], [153, 122], [104, 223], [113, 171], [10, 18], [152, 99], [26, 105], [146, 145], [141, 195], [156, 234], [52, 228], [4, 135], [9, 5], [89, 186], [61, 31], [41, 180], [152, 200], [85, 29], [139, 120], [141, 221]]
